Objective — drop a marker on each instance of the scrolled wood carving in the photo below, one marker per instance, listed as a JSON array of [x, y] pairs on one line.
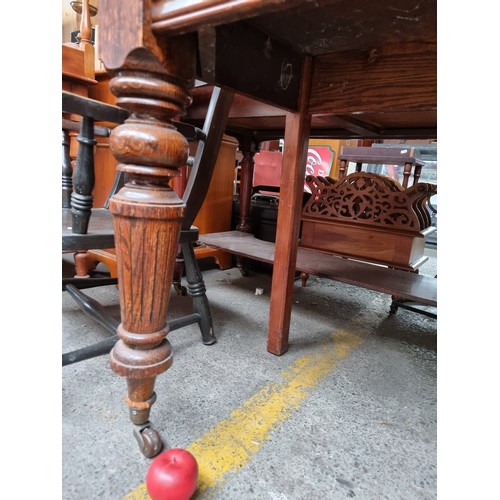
[[371, 199]]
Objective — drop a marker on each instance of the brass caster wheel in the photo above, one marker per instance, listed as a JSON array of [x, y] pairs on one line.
[[148, 439]]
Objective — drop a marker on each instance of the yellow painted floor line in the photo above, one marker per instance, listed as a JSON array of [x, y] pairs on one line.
[[231, 443]]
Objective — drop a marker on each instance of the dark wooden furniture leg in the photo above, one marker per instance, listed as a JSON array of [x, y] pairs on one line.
[[83, 185], [152, 79], [248, 149], [83, 177], [416, 173], [406, 174], [303, 278], [67, 171], [342, 169], [197, 290], [246, 181]]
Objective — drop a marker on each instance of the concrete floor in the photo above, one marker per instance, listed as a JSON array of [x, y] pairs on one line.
[[364, 425]]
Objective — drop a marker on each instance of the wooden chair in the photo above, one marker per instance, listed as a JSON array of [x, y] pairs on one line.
[[86, 228]]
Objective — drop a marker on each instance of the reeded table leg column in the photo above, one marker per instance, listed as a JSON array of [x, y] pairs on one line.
[[147, 217]]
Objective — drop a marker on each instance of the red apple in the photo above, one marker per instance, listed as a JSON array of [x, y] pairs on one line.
[[172, 475]]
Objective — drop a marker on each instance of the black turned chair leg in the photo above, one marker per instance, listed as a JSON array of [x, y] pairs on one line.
[[197, 290], [83, 178], [67, 172]]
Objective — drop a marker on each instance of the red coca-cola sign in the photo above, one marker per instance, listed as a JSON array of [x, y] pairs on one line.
[[319, 162]]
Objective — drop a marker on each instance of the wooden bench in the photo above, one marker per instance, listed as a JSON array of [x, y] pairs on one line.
[[364, 230]]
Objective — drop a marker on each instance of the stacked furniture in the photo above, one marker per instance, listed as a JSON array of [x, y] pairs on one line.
[[354, 68]]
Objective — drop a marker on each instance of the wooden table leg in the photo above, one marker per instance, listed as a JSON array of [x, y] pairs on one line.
[[153, 82], [287, 233], [147, 218]]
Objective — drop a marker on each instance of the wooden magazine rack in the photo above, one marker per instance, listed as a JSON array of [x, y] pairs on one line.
[[368, 217]]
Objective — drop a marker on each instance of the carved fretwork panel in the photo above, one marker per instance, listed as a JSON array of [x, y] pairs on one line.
[[370, 199]]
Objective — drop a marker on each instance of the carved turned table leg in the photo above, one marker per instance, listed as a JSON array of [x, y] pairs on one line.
[[147, 217], [152, 78]]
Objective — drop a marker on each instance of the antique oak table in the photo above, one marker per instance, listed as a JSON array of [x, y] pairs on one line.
[[348, 68]]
